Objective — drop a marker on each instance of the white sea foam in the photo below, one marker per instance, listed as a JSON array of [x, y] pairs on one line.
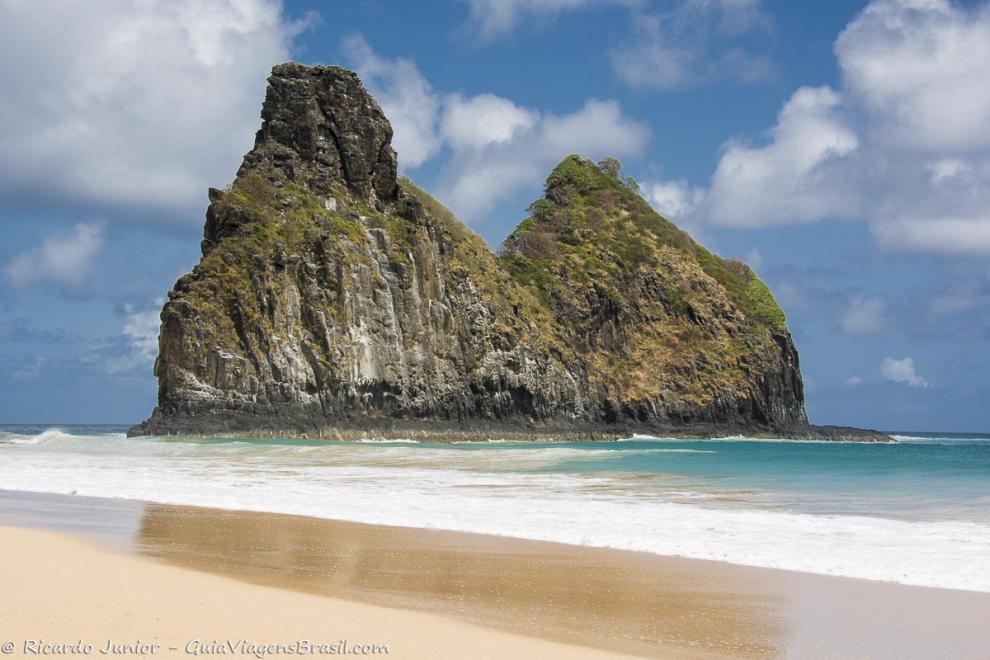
[[387, 441], [639, 436], [479, 490], [932, 439], [683, 451], [46, 436], [741, 438]]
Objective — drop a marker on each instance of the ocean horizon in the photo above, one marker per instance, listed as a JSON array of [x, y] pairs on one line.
[[915, 512]]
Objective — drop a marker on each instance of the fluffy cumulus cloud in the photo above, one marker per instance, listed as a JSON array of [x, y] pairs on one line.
[[483, 120], [904, 144], [920, 67], [64, 259], [916, 69], [673, 199], [132, 104], [782, 181], [864, 316], [902, 370], [475, 180], [693, 41], [494, 146]]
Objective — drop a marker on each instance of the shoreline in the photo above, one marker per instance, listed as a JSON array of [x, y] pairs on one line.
[[435, 432], [596, 598], [667, 499]]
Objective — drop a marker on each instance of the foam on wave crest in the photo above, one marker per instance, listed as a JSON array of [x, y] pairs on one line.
[[45, 437], [959, 439]]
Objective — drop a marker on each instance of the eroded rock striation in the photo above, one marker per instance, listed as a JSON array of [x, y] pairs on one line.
[[335, 299]]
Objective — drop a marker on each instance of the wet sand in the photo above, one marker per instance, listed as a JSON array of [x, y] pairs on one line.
[[598, 599]]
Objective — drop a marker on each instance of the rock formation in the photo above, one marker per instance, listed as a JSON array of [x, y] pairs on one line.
[[335, 299]]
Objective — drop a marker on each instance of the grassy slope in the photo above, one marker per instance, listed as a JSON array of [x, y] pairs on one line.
[[592, 215], [698, 338]]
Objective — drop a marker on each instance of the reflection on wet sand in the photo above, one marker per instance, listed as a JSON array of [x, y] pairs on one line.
[[617, 600], [623, 601]]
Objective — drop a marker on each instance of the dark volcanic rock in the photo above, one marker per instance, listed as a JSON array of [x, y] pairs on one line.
[[321, 126], [335, 300]]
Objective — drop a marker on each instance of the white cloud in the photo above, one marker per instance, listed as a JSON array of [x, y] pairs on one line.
[[491, 18], [651, 63], [686, 42], [405, 96], [854, 381], [598, 127], [140, 332], [686, 20], [133, 104], [904, 145], [672, 199], [693, 41], [864, 316], [902, 371], [964, 236], [483, 120], [475, 180], [782, 181], [64, 259], [495, 146], [920, 67]]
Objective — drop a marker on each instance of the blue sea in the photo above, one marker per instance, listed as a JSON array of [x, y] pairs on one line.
[[916, 511]]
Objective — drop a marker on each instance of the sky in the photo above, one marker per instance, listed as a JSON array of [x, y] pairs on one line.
[[841, 148]]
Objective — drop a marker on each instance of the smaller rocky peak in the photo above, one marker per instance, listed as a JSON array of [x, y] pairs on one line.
[[593, 225], [584, 202], [323, 129], [576, 176]]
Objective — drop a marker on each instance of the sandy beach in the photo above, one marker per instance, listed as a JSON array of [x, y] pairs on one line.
[[60, 591], [101, 570]]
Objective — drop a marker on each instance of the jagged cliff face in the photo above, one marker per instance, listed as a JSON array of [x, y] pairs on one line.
[[334, 299]]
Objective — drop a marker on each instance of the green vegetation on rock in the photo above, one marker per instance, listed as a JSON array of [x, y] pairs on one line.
[[592, 216], [630, 287]]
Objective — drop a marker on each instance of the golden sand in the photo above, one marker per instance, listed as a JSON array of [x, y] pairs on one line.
[[195, 573]]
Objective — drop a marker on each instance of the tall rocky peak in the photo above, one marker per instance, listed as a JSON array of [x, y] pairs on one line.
[[321, 126], [336, 300], [320, 129]]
